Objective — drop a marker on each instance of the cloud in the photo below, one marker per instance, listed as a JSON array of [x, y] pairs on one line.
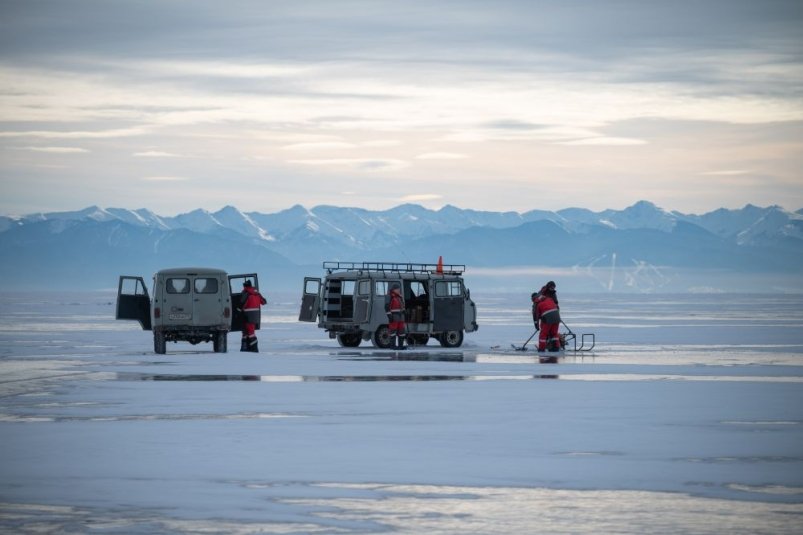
[[734, 172], [320, 145], [422, 197], [606, 141], [77, 134], [381, 143], [57, 150], [164, 178], [155, 154], [441, 156], [365, 164], [534, 86]]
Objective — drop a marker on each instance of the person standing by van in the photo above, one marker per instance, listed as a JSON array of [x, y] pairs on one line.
[[397, 328], [250, 301]]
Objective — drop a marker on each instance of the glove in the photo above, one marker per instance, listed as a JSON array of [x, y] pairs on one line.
[[537, 328]]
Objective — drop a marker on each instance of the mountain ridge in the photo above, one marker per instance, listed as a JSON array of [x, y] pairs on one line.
[[639, 238]]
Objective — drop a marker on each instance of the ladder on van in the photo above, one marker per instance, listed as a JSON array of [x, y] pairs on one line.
[[394, 267]]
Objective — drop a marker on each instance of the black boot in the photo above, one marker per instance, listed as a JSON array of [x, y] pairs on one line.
[[253, 346], [244, 344], [400, 343]]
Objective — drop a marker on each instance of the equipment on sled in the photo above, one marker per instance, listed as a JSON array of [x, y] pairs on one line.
[[569, 336]]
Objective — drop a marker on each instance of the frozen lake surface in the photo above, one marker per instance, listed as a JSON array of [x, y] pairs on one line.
[[686, 417]]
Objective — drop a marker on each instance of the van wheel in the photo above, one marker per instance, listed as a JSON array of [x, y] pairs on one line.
[[451, 339], [349, 340], [159, 344], [381, 338], [220, 342]]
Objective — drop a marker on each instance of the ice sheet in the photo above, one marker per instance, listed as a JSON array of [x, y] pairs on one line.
[[670, 424]]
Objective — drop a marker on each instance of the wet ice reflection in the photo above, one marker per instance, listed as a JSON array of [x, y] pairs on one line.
[[443, 509], [432, 509], [137, 376]]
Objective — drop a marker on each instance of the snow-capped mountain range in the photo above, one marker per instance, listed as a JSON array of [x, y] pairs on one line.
[[95, 241]]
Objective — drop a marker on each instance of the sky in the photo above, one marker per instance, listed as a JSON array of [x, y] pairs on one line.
[[491, 105]]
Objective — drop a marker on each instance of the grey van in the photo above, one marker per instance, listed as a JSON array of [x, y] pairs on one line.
[[189, 304], [349, 303]]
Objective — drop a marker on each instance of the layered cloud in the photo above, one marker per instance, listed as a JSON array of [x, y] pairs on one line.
[[499, 95]]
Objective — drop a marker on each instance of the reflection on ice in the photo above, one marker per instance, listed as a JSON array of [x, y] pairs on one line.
[[382, 508], [146, 417], [408, 355], [444, 509], [135, 376]]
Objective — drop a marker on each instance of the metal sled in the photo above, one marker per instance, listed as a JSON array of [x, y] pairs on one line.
[[585, 338]]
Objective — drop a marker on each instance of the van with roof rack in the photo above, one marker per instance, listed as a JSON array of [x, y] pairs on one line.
[[187, 305], [349, 302]]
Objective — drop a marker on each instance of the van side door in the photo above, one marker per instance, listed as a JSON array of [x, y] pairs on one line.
[[133, 302], [379, 302], [448, 304], [362, 301], [310, 299], [235, 291]]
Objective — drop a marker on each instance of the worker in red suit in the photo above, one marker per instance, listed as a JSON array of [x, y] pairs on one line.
[[397, 328], [250, 301], [546, 315]]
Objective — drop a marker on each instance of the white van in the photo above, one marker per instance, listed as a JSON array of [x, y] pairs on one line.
[[189, 304]]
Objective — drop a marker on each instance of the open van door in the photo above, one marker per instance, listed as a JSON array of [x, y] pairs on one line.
[[235, 289], [310, 300], [133, 302]]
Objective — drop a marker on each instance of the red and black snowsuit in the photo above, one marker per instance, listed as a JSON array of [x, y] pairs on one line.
[[250, 300], [547, 312], [396, 325]]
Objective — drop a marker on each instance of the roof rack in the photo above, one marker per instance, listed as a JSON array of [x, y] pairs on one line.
[[399, 267]]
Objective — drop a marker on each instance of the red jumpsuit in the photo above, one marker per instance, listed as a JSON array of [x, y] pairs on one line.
[[251, 300], [547, 312], [396, 325]]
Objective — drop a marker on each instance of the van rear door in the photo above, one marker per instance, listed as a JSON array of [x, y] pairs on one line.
[[174, 292], [210, 299], [310, 299], [235, 289], [133, 302]]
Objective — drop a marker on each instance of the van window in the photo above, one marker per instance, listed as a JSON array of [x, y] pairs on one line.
[[364, 288], [178, 286], [347, 288], [417, 289], [132, 287], [312, 286], [205, 286], [448, 289], [381, 288]]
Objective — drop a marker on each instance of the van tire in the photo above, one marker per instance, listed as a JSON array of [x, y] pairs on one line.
[[451, 338], [220, 342], [159, 343], [381, 339], [349, 339]]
